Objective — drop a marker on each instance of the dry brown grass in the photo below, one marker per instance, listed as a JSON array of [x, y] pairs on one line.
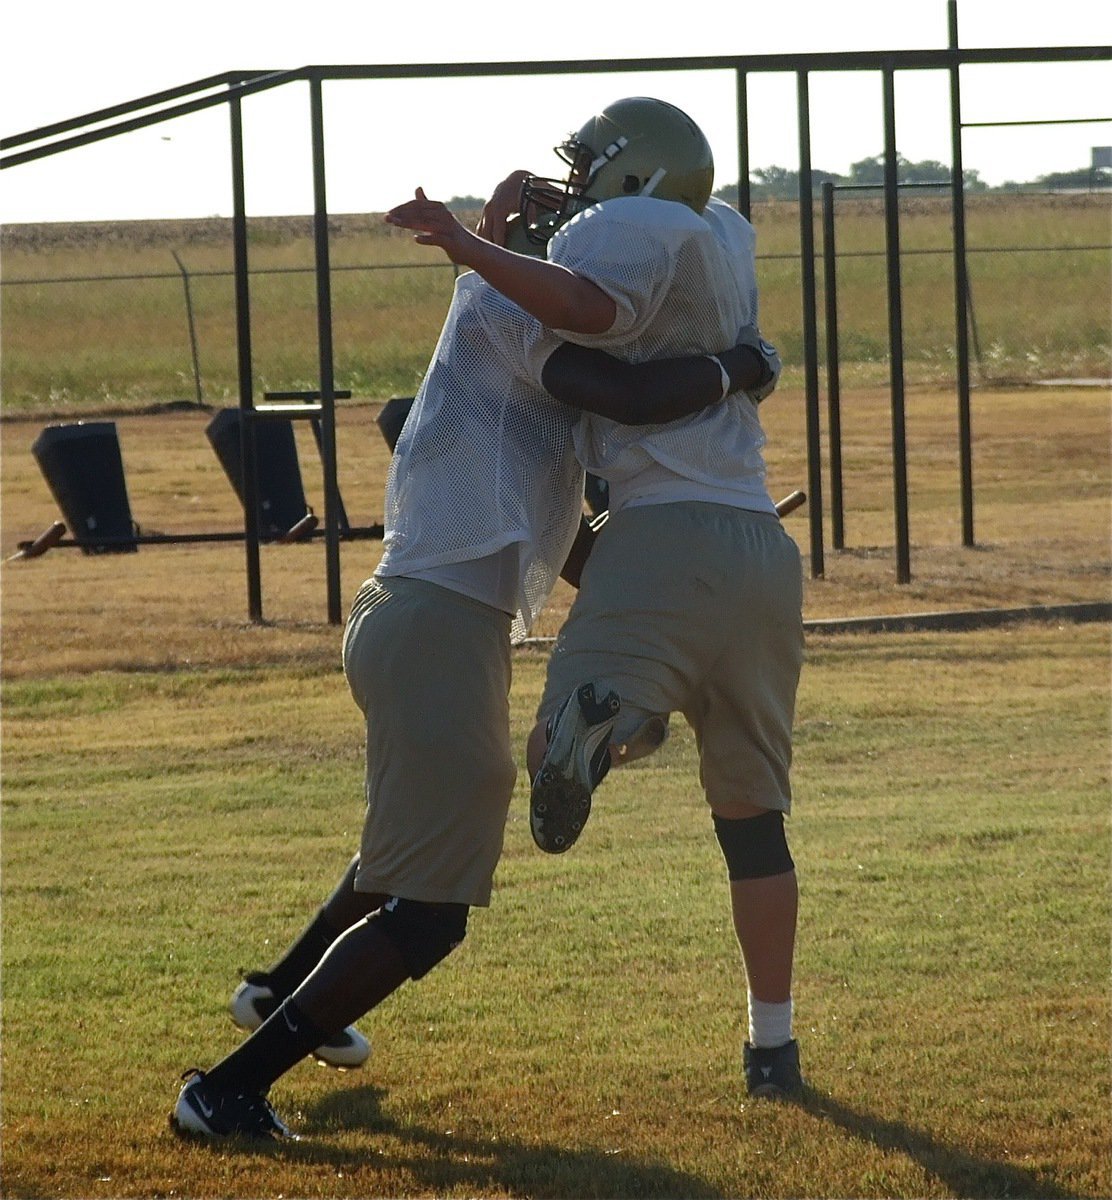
[[1041, 468]]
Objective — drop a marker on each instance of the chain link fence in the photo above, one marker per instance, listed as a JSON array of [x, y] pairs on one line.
[[99, 318]]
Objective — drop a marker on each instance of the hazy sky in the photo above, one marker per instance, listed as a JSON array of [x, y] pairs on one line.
[[458, 137]]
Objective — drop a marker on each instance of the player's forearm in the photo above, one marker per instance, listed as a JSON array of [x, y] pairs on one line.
[[557, 297], [646, 393]]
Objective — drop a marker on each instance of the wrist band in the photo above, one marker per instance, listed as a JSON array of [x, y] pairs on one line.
[[725, 374]]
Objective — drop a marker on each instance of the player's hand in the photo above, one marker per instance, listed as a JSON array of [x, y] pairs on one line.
[[753, 365], [505, 201], [434, 223]]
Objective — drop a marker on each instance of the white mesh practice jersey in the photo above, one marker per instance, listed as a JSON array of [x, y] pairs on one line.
[[683, 284], [485, 462]]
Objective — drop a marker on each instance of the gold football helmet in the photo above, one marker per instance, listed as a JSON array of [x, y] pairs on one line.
[[635, 147]]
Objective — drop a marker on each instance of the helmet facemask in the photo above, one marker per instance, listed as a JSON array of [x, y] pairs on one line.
[[546, 204]]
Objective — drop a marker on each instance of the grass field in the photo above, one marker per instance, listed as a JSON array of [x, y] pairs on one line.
[[164, 830], [1039, 285], [181, 785]]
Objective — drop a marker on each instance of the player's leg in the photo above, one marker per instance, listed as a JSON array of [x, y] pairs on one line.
[[440, 775], [742, 718], [261, 992], [402, 940], [764, 904], [620, 666]]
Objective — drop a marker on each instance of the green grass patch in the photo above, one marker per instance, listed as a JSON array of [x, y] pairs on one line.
[[164, 831]]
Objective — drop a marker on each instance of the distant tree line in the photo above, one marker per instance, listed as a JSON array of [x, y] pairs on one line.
[[780, 183], [466, 203], [767, 183]]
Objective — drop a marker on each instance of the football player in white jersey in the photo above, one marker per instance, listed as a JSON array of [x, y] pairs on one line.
[[691, 599], [483, 505]]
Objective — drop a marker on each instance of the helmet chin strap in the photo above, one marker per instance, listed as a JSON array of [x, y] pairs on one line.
[[653, 180], [612, 151]]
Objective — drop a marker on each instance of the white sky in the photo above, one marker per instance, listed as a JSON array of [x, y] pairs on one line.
[[458, 137]]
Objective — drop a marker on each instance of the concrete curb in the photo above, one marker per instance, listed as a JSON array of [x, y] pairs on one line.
[[962, 619], [974, 618]]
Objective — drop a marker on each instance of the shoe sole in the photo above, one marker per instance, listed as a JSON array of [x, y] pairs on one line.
[[771, 1091], [342, 1058], [560, 798]]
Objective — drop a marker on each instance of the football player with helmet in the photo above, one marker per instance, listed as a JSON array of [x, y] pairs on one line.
[[691, 599], [483, 510]]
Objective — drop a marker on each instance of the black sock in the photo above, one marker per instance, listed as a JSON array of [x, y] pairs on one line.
[[282, 1040], [301, 958], [343, 908]]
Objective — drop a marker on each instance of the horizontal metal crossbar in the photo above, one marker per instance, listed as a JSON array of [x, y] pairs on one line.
[[245, 83], [1046, 121], [303, 395], [226, 79], [292, 412]]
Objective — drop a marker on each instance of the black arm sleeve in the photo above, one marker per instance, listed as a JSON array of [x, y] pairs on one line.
[[646, 393]]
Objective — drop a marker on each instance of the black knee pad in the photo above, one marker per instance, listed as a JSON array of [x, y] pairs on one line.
[[423, 933], [754, 847]]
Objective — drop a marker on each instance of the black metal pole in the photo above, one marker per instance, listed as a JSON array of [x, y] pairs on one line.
[[744, 197], [324, 345], [895, 327], [246, 385], [974, 335], [833, 367], [810, 330], [341, 511], [961, 290], [192, 328]]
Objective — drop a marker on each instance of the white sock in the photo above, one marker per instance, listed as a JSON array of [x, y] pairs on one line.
[[770, 1025]]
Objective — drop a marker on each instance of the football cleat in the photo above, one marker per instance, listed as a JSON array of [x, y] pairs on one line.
[[253, 1001], [203, 1111], [773, 1073], [576, 761]]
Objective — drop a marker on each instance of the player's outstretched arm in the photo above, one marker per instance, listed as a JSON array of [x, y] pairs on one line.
[[557, 297], [649, 393]]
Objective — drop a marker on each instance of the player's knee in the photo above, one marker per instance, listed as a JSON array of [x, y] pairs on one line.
[[754, 847], [423, 933]]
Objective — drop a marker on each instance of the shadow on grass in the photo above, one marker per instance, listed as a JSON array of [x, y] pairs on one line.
[[438, 1160], [964, 1174]]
